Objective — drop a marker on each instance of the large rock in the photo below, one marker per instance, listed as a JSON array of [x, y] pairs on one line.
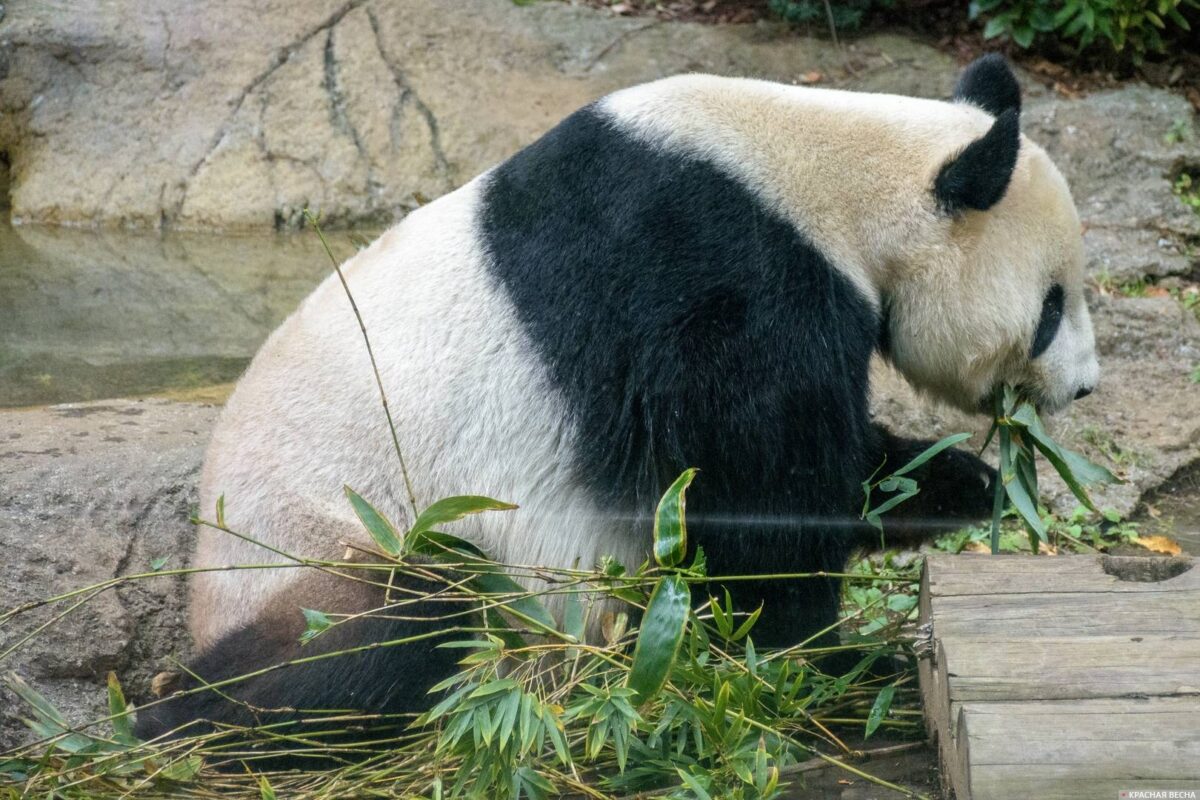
[[87, 493], [1114, 149], [245, 113]]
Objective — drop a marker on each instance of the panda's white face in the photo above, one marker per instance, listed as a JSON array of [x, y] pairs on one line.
[[1001, 300], [1062, 363]]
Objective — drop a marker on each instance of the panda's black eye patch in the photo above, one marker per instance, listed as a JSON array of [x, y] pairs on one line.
[[1052, 312]]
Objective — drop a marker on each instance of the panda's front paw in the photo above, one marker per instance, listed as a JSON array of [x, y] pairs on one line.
[[956, 489], [959, 485]]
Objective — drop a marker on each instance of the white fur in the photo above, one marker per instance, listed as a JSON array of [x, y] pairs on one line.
[[474, 411]]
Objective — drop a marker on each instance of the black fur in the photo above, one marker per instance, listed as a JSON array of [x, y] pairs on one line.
[[989, 83], [1048, 324], [391, 680], [956, 490], [687, 325], [978, 176]]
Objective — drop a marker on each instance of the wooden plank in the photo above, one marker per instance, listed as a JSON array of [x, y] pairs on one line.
[[1078, 750], [1057, 677], [976, 574], [1066, 668], [1068, 614], [1068, 783], [1161, 735]]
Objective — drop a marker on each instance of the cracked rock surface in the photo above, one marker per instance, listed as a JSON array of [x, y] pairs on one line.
[[240, 115], [89, 492]]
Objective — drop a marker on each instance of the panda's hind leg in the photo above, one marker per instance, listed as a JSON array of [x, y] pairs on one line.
[[292, 700]]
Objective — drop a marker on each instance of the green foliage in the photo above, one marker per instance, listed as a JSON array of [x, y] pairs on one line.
[[1107, 284], [662, 631], [1021, 434], [842, 14], [670, 530], [1187, 189], [1189, 298], [880, 604], [902, 488], [1106, 443], [1133, 27], [684, 705], [1082, 531], [1180, 131], [382, 532]]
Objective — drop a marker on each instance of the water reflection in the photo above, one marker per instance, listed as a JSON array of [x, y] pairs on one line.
[[86, 315]]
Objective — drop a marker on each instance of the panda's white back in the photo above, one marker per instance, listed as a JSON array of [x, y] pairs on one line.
[[306, 419]]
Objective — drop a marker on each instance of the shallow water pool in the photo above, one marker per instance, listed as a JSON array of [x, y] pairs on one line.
[[86, 315]]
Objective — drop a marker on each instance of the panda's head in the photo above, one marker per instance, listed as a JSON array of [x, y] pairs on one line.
[[992, 290]]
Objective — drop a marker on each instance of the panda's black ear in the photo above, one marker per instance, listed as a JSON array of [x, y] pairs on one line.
[[988, 82], [978, 176]]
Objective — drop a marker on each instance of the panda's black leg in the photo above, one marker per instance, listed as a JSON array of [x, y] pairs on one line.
[[956, 489], [803, 610], [290, 701], [792, 609]]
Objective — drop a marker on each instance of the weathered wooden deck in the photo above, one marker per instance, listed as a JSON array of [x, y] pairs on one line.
[[1057, 678]]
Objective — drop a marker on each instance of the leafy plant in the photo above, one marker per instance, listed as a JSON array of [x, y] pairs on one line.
[[1021, 435], [683, 704], [1081, 531], [1187, 189], [1189, 298], [898, 484], [1180, 131], [1135, 27]]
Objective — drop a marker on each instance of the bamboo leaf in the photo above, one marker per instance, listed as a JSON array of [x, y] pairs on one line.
[[720, 618], [182, 770], [382, 531], [670, 527], [515, 599], [1076, 471], [930, 452], [1024, 504], [745, 627], [693, 785], [660, 636], [889, 504], [315, 623], [1005, 447], [573, 621], [500, 627], [122, 722], [441, 545], [879, 710], [450, 509], [47, 721]]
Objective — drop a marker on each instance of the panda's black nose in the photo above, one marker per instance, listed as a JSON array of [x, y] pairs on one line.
[[1082, 393]]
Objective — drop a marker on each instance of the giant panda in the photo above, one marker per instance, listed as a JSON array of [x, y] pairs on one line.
[[693, 272]]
